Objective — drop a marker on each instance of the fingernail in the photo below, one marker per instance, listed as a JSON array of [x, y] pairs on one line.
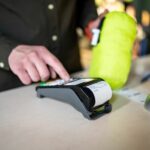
[[67, 77]]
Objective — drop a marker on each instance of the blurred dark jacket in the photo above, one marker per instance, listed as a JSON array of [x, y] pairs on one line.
[[51, 23]]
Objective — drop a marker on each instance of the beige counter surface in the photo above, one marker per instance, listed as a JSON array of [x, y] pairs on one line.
[[30, 123]]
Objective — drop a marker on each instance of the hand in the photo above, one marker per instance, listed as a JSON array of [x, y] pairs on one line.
[[94, 24], [35, 63]]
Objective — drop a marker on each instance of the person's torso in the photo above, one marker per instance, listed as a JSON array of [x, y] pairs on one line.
[[51, 23]]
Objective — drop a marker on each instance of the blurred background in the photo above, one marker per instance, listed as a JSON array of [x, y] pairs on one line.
[[139, 10]]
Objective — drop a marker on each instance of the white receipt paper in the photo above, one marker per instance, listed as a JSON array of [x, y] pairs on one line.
[[101, 91]]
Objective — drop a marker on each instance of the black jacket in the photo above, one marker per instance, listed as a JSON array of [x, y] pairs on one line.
[[51, 23]]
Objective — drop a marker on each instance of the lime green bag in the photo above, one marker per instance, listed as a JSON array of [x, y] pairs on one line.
[[111, 58]]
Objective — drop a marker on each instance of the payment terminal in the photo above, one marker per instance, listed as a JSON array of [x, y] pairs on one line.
[[90, 96]]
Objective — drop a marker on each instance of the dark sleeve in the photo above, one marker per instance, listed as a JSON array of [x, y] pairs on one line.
[[147, 31], [86, 10], [6, 46]]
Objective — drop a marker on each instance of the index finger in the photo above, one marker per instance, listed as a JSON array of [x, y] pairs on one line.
[[52, 61]]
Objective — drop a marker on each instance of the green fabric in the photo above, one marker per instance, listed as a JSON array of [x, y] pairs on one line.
[[111, 58], [129, 1]]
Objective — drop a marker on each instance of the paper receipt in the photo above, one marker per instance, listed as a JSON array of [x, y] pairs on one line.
[[101, 91]]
